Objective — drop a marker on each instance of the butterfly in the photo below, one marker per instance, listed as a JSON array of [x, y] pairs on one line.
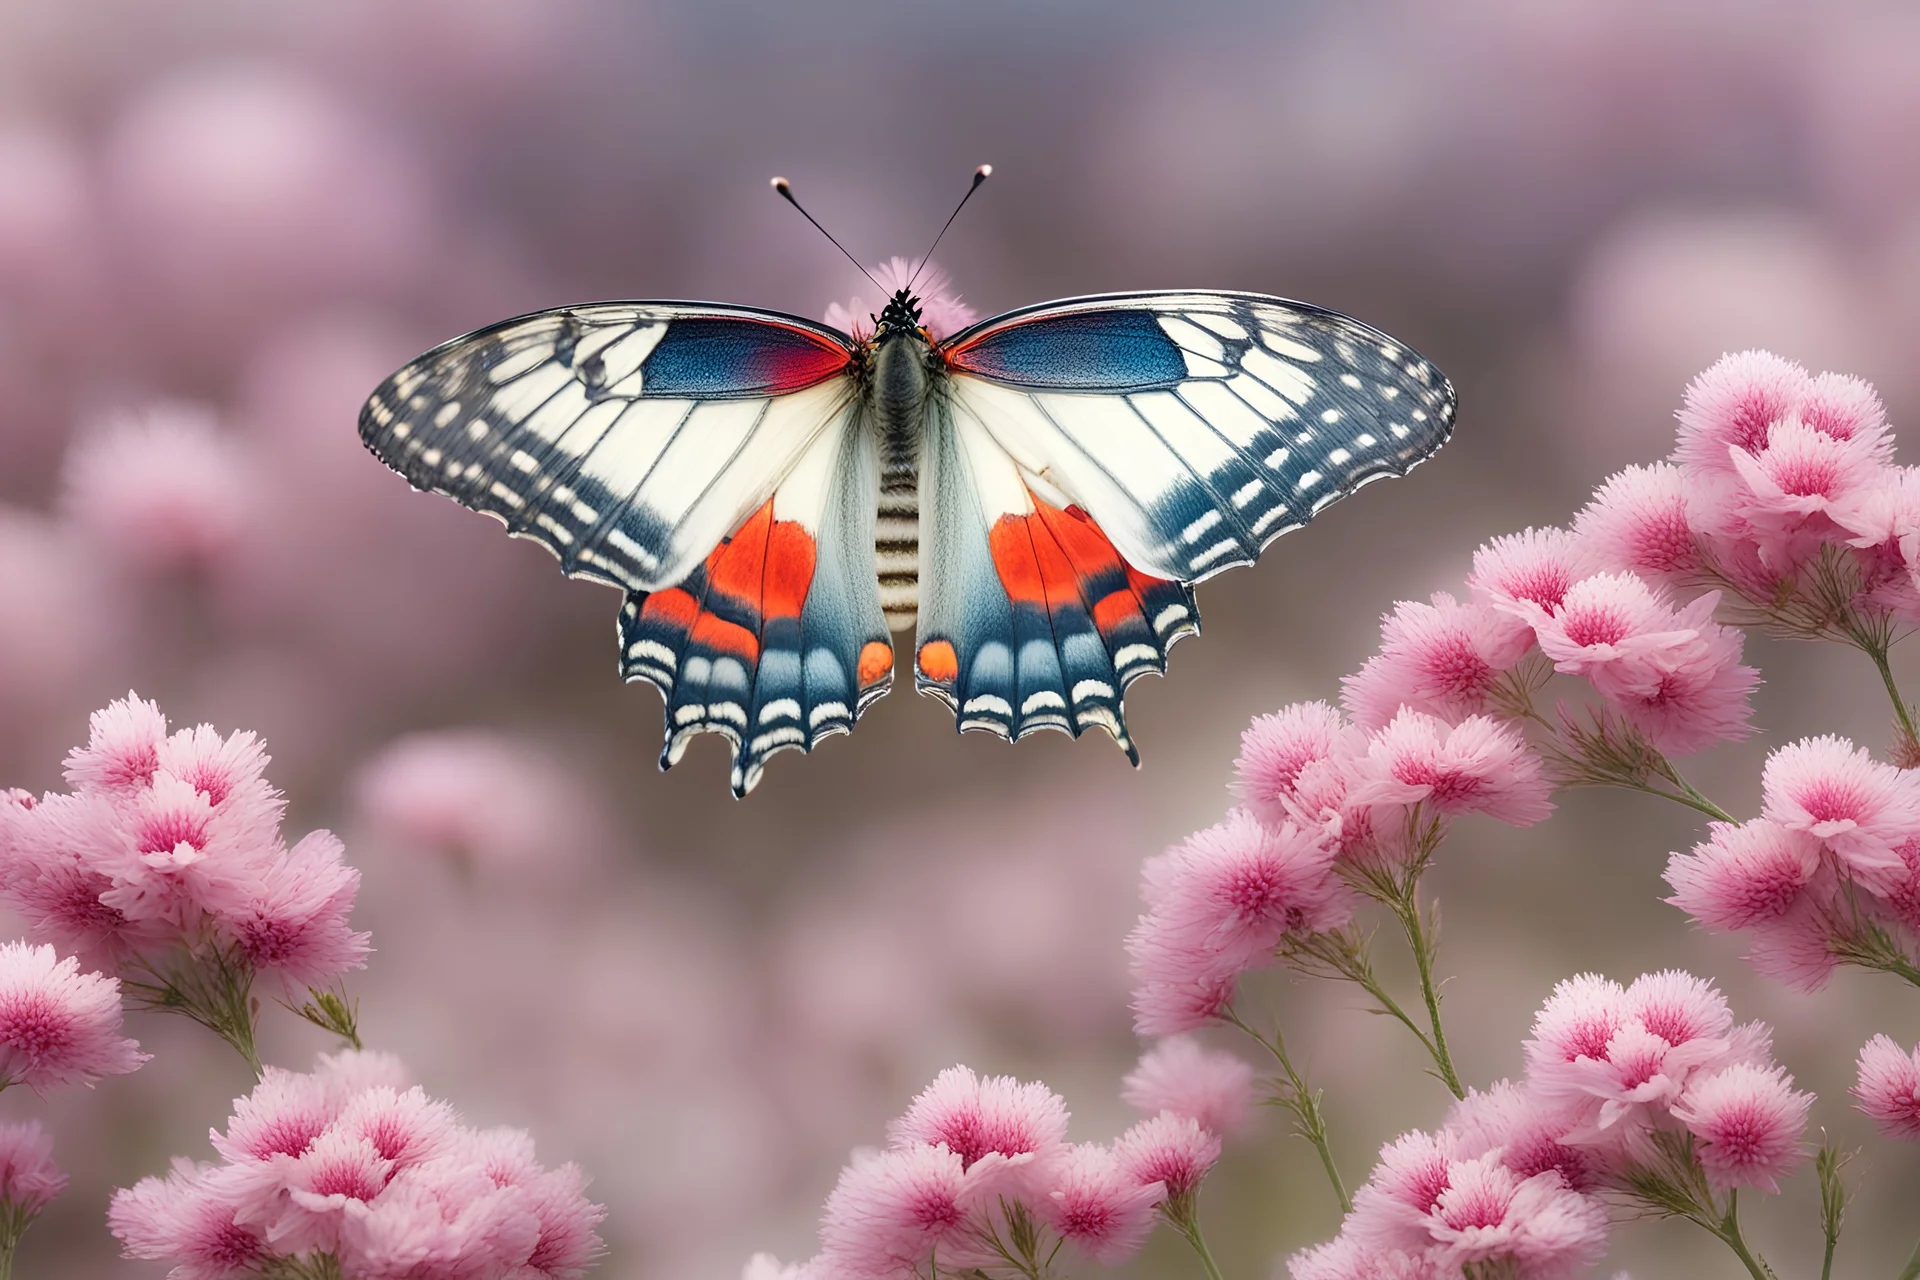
[[1036, 494]]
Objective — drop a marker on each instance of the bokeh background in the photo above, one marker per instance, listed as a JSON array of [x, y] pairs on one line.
[[222, 222]]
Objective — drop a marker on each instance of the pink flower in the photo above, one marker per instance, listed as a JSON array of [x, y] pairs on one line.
[[338, 1169], [1176, 1000], [1442, 658], [295, 925], [891, 1209], [1641, 521], [282, 1116], [1887, 1087], [1425, 1199], [1675, 674], [764, 1266], [1488, 1212], [1796, 947], [186, 1219], [122, 751], [52, 875], [28, 1176], [1212, 1087], [567, 1243], [1238, 887], [407, 1128], [1750, 1119], [1274, 749], [1536, 567], [1608, 630], [1663, 1033], [58, 1025], [346, 1160], [438, 1220], [1346, 1258], [1218, 904], [1577, 1021], [1743, 875], [1096, 1206], [162, 491], [1733, 406], [1171, 1150], [1526, 1131], [941, 309], [1844, 798], [229, 772], [1479, 766], [1789, 490], [975, 1118]]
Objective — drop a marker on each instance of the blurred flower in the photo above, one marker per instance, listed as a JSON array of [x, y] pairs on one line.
[[28, 1181], [380, 1182], [58, 1025], [1211, 1087], [1887, 1087], [162, 492], [482, 798], [241, 189]]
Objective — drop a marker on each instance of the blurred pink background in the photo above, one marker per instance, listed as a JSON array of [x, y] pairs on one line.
[[222, 223]]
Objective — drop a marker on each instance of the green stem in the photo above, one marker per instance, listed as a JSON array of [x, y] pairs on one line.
[[1912, 1269], [1729, 1231], [1689, 797], [1408, 910], [1305, 1105], [1194, 1238], [1883, 664]]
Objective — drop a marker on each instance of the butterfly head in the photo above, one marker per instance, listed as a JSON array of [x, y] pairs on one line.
[[900, 315]]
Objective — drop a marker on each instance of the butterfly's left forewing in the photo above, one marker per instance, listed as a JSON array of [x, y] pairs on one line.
[[1091, 459], [708, 461]]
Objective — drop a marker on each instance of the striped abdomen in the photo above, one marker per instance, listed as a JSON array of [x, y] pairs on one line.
[[900, 399]]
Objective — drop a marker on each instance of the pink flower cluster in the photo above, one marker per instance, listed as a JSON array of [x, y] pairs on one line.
[[1829, 872], [348, 1164], [169, 846], [1774, 467], [28, 1181], [978, 1178], [58, 1025], [1324, 803], [1622, 1085], [1782, 491]]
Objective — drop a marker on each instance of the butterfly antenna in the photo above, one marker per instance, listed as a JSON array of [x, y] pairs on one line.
[[980, 175], [785, 189]]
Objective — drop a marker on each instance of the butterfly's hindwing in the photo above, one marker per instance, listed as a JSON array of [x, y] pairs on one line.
[[628, 438], [777, 639], [1197, 427], [1029, 619]]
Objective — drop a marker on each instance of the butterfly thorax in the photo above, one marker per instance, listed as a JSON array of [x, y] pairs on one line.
[[900, 370]]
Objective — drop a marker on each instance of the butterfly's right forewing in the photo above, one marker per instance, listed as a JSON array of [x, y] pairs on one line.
[[629, 438]]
